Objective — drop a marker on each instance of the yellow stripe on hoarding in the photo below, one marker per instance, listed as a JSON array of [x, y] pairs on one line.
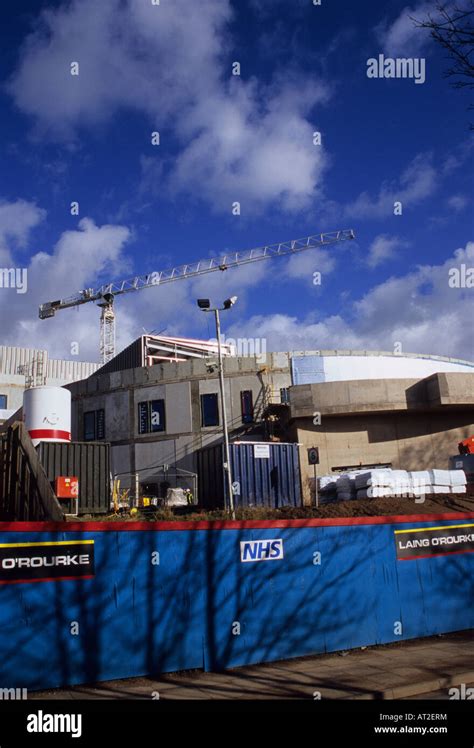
[[55, 542], [425, 529]]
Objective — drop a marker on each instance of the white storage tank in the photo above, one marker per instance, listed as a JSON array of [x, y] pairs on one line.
[[47, 414]]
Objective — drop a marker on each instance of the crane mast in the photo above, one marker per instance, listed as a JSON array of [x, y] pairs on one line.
[[104, 295]]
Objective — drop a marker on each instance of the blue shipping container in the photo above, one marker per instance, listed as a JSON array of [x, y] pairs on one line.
[[463, 462], [265, 474]]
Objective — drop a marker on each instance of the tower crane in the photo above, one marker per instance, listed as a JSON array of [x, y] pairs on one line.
[[104, 295]]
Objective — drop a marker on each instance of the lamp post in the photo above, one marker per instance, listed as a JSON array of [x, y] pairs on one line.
[[205, 306]]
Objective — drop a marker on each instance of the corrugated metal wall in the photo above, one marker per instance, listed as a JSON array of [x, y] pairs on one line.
[[269, 480], [130, 358], [90, 462], [11, 358], [69, 370], [210, 477]]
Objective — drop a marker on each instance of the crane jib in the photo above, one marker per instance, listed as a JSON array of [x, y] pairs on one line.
[[105, 294]]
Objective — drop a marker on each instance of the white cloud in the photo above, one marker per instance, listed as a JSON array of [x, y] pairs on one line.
[[252, 153], [384, 248], [127, 55], [78, 258], [304, 265], [457, 157], [240, 140], [417, 182], [419, 310], [458, 203], [401, 37], [17, 220]]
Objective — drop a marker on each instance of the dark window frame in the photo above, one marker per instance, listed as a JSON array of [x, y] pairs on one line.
[[143, 415], [5, 402], [246, 410], [148, 405], [89, 429], [100, 424], [96, 427], [162, 412], [205, 414], [284, 395]]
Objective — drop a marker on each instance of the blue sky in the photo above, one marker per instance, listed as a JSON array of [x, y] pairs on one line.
[[226, 139]]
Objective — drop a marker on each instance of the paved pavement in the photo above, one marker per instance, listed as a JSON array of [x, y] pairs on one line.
[[401, 670]]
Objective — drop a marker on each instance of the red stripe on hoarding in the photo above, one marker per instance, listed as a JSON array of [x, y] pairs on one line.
[[47, 579], [246, 524], [434, 555], [49, 434]]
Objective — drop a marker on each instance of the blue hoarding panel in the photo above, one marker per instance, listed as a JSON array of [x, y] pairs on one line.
[[165, 599]]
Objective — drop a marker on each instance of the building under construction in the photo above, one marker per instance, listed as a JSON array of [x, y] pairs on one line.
[[157, 404]]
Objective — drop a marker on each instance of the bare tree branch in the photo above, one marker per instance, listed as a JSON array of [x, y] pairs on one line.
[[452, 27]]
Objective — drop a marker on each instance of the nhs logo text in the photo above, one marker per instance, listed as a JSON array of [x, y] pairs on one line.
[[261, 550]]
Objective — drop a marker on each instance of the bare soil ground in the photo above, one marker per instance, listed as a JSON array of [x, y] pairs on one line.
[[433, 504]]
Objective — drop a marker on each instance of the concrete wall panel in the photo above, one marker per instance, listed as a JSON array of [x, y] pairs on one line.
[[410, 441]]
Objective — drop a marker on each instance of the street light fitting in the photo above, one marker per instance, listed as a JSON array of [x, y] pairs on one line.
[[204, 303], [230, 302]]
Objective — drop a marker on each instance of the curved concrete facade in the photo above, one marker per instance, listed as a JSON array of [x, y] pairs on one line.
[[408, 424], [341, 366]]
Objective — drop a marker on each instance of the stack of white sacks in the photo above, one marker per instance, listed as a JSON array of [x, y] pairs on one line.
[[387, 482], [363, 484], [339, 486], [455, 480]]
